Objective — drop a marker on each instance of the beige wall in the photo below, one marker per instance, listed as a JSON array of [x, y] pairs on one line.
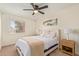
[[0, 30], [67, 19], [10, 38]]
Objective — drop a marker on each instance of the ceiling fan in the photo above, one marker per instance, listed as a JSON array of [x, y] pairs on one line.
[[36, 8]]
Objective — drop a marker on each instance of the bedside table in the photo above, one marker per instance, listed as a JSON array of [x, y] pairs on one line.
[[67, 46]]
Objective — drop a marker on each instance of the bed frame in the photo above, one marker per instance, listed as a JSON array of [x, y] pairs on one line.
[[50, 49], [47, 51]]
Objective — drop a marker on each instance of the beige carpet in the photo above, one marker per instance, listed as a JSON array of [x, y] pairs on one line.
[[8, 51], [11, 51]]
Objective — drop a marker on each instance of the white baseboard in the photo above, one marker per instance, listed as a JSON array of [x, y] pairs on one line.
[[8, 44]]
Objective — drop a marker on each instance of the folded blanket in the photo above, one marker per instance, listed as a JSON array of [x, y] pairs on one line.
[[37, 46]]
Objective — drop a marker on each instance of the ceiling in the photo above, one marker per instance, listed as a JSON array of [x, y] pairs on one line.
[[16, 8]]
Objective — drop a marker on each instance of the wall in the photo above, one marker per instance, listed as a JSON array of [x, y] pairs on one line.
[[0, 30], [68, 18], [10, 38]]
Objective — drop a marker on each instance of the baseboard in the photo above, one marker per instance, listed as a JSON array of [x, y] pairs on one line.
[[8, 45]]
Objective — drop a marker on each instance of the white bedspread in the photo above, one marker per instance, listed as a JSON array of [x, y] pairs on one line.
[[48, 42], [25, 48]]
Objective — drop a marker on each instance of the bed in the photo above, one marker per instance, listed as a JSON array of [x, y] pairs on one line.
[[50, 43]]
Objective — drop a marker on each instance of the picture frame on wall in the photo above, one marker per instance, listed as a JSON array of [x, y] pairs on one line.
[[51, 22], [16, 26]]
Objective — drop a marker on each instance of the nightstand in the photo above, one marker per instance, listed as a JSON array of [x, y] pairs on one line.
[[67, 46]]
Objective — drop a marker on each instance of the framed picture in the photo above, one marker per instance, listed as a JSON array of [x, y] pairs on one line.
[[51, 22], [16, 26]]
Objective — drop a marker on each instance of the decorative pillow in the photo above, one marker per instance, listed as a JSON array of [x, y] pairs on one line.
[[51, 35], [48, 34]]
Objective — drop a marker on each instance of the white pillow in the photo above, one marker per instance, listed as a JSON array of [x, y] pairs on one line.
[[51, 35], [48, 35]]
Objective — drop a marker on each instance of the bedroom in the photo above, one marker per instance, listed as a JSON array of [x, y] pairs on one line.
[[66, 15]]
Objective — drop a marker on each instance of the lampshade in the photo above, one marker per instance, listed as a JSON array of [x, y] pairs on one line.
[[67, 31]]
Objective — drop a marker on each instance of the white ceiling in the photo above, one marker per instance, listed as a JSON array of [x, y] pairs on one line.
[[16, 8]]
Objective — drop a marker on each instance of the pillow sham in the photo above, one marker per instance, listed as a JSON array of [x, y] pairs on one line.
[[49, 35]]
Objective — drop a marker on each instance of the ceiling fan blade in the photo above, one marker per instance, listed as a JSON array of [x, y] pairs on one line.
[[28, 9], [33, 5], [41, 12], [46, 6], [33, 13]]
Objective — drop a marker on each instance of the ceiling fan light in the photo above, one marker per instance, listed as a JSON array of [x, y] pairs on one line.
[[35, 11]]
